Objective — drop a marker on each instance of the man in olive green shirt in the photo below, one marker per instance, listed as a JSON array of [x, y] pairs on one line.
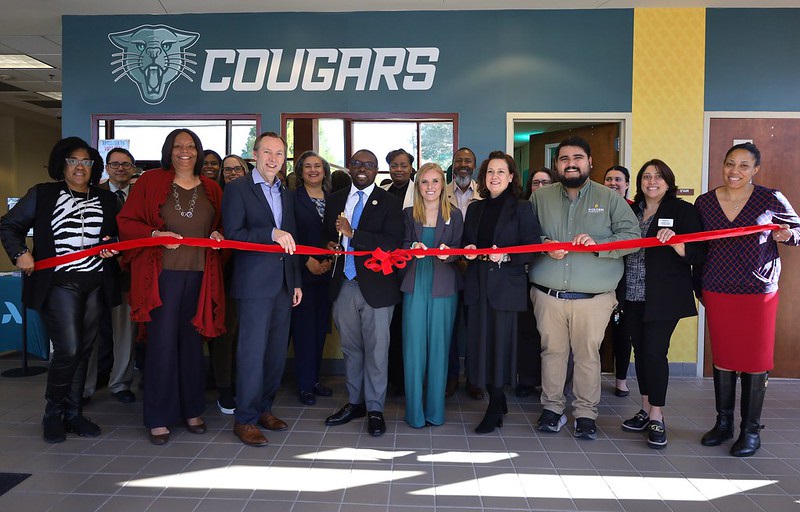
[[573, 292]]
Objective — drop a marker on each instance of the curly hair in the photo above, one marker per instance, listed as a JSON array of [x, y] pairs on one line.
[[62, 150]]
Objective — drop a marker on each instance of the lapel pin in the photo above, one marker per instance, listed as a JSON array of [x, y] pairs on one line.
[[374, 202]]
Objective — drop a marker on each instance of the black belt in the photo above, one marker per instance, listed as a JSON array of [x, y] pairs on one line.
[[564, 295]]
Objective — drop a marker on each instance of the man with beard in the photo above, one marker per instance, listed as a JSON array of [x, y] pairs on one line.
[[461, 191], [573, 292], [364, 217]]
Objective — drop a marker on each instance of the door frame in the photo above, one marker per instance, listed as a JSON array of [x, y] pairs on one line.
[[707, 117], [625, 120]]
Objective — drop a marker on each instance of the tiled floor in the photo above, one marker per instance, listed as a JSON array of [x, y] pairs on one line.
[[317, 469]]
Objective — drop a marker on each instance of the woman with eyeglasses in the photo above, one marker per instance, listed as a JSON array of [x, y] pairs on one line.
[[222, 347], [541, 177], [233, 168], [176, 289], [311, 318], [495, 285], [67, 215], [212, 163]]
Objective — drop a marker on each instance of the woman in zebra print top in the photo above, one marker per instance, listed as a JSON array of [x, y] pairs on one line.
[[67, 215]]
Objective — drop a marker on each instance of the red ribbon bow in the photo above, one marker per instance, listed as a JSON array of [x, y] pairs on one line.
[[382, 261]]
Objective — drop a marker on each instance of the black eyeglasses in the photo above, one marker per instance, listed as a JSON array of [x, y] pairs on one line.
[[73, 162], [537, 183], [116, 165], [355, 164], [230, 170]]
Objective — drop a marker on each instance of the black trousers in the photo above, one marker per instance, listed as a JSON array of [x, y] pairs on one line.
[[396, 371], [174, 389], [529, 349], [621, 344], [650, 341], [71, 315], [311, 321]]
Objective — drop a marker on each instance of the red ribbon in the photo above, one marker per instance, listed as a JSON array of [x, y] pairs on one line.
[[383, 261]]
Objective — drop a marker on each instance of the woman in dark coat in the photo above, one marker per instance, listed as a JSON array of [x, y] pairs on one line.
[[67, 215], [495, 286]]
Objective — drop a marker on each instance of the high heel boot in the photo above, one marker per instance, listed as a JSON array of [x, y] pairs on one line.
[[725, 399], [754, 387], [494, 412]]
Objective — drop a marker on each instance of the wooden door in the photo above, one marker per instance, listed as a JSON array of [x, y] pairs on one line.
[[779, 142]]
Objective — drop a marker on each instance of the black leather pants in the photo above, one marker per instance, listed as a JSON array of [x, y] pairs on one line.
[[71, 314]]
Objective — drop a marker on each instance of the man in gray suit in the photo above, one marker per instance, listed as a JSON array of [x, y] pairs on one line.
[[120, 167], [258, 208]]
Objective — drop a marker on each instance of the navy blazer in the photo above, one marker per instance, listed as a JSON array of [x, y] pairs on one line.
[[247, 217], [668, 277], [309, 231], [446, 277], [381, 225], [507, 282]]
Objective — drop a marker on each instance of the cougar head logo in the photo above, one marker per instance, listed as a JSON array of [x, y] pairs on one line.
[[153, 57]]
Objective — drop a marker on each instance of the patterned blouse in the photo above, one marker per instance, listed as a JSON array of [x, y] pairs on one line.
[[77, 220], [746, 264], [634, 264]]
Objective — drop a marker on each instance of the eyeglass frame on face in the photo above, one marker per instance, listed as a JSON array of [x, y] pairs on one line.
[[231, 170], [541, 182], [73, 162], [355, 164], [116, 165]]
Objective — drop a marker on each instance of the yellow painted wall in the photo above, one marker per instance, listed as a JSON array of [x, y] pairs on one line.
[[668, 103]]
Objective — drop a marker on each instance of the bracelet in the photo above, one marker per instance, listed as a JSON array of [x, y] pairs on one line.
[[153, 233], [23, 251]]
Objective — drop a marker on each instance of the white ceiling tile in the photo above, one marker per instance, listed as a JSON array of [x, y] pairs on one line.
[[30, 44]]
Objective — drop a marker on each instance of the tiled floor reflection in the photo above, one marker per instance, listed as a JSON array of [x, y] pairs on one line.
[[449, 468]]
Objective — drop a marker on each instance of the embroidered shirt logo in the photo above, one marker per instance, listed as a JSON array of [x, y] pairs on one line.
[[596, 209], [153, 57]]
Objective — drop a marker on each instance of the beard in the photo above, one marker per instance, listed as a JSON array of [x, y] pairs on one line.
[[576, 182], [462, 181]]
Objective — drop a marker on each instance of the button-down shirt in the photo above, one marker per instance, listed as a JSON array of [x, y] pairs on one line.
[[350, 205], [272, 193], [598, 212]]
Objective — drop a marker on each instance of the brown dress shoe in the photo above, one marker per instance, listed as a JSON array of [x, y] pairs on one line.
[[451, 388], [249, 434], [270, 422], [474, 392]]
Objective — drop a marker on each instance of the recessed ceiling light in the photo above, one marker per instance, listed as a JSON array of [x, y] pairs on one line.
[[53, 95], [21, 61]]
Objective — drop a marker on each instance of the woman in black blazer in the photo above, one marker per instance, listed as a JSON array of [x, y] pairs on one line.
[[311, 318], [67, 215], [658, 290], [495, 286], [430, 294]]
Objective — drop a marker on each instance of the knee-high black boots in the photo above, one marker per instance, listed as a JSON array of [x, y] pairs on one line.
[[494, 412], [725, 399], [754, 387]]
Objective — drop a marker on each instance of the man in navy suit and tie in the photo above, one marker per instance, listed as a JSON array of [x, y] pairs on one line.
[[258, 208], [363, 300]]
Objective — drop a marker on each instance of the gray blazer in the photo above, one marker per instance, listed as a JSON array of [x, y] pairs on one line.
[[446, 277]]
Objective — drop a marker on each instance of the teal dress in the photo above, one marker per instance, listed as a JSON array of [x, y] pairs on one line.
[[427, 328]]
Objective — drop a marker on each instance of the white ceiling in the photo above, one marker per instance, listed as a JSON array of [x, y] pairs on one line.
[[34, 26]]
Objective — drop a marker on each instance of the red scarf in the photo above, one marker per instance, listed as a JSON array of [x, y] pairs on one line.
[[138, 218]]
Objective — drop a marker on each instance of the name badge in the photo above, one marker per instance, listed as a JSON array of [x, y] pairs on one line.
[[666, 223]]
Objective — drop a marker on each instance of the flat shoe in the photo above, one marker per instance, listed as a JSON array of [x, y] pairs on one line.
[[306, 398], [158, 439], [200, 428], [321, 390], [622, 392]]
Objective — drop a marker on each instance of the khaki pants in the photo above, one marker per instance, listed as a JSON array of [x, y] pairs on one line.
[[580, 325]]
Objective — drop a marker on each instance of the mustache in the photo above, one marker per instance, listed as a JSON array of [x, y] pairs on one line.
[[571, 168]]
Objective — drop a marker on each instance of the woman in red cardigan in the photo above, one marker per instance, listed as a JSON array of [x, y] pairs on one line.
[[176, 289]]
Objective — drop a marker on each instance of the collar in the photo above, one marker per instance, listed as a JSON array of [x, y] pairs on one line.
[[258, 179], [367, 191], [114, 188], [581, 190]]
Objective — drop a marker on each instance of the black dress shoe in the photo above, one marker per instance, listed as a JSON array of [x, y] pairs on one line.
[[306, 398], [346, 414], [53, 430], [82, 426], [621, 392], [321, 390], [125, 396], [375, 424]]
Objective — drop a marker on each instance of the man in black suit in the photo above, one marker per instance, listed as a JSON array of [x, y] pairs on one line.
[[366, 217], [258, 208]]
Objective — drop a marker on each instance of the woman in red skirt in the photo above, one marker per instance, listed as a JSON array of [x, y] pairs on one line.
[[740, 280]]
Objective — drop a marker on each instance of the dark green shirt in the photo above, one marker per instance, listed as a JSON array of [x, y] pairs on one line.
[[598, 212]]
